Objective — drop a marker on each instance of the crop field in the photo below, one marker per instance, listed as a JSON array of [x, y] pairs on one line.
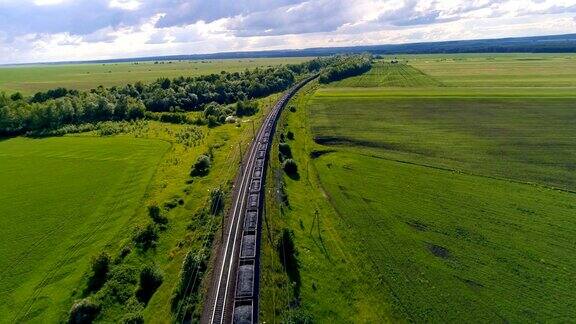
[[62, 199], [506, 138], [29, 79], [446, 202], [384, 74], [499, 70]]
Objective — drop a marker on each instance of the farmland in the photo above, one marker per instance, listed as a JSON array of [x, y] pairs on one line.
[[59, 200], [450, 199], [68, 199], [136, 249], [30, 79]]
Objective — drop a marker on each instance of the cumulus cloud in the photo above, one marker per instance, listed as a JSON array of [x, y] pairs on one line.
[[41, 30], [306, 17]]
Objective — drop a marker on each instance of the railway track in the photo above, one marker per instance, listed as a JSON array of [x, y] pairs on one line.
[[233, 294]]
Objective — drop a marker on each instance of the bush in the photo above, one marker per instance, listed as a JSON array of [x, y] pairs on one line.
[[150, 279], [216, 201], [120, 285], [246, 108], [173, 203], [156, 214], [285, 150], [193, 268], [146, 237], [290, 167], [202, 166], [292, 109], [290, 135], [297, 315], [133, 318], [16, 96], [100, 267], [83, 311]]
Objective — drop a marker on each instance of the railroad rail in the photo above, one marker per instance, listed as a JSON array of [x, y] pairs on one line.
[[234, 292]]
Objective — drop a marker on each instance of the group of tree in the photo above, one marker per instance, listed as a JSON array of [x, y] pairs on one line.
[[213, 94], [346, 66]]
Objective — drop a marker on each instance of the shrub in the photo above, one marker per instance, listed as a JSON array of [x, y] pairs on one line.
[[174, 118], [290, 167], [297, 315], [193, 267], [173, 203], [289, 258], [146, 237], [290, 135], [156, 214], [292, 109], [124, 252], [133, 318], [212, 121], [120, 285], [150, 279], [216, 201], [246, 108], [285, 150], [100, 267], [16, 96], [202, 166], [83, 311]]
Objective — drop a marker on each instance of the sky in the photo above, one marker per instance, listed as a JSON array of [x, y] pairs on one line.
[[65, 30]]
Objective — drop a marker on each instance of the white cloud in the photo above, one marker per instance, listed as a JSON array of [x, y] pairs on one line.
[[48, 30], [125, 4]]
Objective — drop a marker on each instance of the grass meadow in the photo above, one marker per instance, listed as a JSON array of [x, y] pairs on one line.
[[29, 79], [446, 201], [62, 199]]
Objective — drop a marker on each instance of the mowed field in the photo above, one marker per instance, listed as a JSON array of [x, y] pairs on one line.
[[452, 200], [61, 200], [29, 79]]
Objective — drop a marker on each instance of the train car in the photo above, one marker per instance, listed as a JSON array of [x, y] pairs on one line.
[[259, 163], [250, 220], [260, 154], [248, 246], [245, 279], [253, 201], [243, 312], [255, 185], [257, 173]]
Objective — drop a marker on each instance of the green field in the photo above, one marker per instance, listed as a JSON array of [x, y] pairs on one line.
[[65, 200], [499, 70], [386, 74], [30, 79], [61, 201], [444, 201]]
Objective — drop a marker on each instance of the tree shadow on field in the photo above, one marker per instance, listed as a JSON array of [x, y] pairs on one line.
[[289, 259], [294, 176]]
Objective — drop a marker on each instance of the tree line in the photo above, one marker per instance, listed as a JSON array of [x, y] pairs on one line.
[[211, 93], [346, 67]]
